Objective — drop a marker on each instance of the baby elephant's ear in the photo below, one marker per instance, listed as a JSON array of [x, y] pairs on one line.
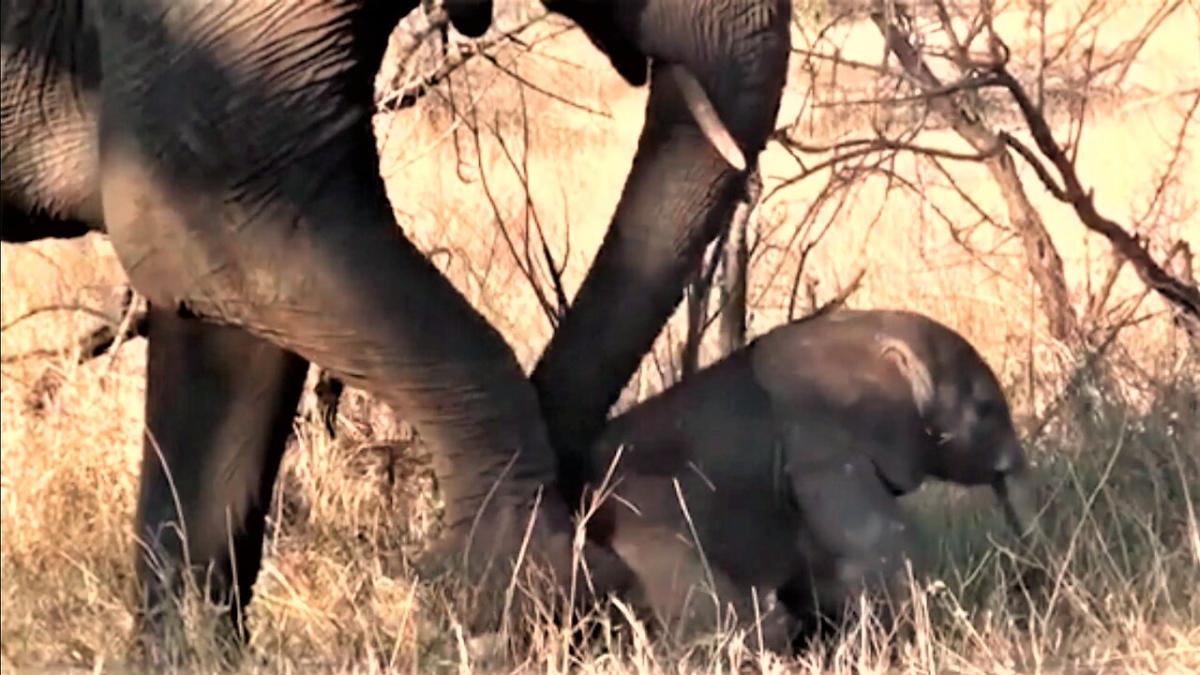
[[911, 366]]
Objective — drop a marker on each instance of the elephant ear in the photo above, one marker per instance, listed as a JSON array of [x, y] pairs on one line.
[[901, 355], [848, 398]]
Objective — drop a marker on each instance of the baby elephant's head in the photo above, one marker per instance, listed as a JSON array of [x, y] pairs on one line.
[[972, 440]]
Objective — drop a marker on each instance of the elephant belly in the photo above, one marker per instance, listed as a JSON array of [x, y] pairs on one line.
[[48, 153]]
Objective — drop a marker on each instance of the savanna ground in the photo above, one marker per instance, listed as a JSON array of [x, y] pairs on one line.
[[1110, 587]]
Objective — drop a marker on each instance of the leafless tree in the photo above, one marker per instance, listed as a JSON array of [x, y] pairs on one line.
[[945, 65]]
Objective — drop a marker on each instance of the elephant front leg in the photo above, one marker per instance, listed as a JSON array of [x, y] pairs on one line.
[[856, 539], [690, 597], [219, 408]]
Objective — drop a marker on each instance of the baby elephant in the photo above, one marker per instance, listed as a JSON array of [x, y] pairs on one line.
[[778, 468]]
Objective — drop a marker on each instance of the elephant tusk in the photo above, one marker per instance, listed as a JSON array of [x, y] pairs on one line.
[[706, 117]]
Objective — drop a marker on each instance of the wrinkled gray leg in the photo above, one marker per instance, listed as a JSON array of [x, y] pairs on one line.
[[240, 178], [219, 408]]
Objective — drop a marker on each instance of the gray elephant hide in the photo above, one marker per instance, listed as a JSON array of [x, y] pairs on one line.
[[779, 467]]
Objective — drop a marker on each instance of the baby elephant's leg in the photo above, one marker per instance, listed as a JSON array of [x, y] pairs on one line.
[[691, 598], [813, 618], [857, 538]]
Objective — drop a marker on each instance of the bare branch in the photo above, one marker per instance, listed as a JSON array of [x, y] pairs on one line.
[[38, 311], [406, 96], [1185, 297], [1126, 53], [105, 339], [1097, 300], [857, 148], [843, 295], [548, 308], [1177, 152], [1043, 258], [543, 91], [1031, 158]]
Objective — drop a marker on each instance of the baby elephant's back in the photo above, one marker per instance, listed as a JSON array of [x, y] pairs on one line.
[[714, 436], [719, 419]]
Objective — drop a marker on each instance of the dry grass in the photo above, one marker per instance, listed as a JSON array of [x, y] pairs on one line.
[[1110, 589]]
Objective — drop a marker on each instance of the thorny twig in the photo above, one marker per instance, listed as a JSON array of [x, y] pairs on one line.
[[1184, 297], [105, 339], [404, 96], [1068, 188], [38, 311]]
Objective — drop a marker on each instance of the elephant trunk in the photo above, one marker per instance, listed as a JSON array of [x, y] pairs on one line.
[[679, 195], [1017, 493], [721, 51], [737, 51]]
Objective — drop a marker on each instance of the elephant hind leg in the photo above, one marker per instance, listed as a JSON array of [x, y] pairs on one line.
[[219, 408], [689, 597]]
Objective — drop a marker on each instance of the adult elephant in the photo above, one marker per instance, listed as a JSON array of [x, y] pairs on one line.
[[227, 149]]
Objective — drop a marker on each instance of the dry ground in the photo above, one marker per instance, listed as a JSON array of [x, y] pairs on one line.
[[1111, 589]]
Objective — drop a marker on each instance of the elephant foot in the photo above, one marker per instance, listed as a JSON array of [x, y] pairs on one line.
[[162, 641], [770, 631], [219, 409], [517, 572], [773, 633]]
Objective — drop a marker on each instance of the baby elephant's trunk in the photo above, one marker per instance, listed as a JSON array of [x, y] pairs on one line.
[[1016, 490]]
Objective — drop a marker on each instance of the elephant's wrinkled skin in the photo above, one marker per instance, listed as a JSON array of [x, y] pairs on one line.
[[789, 455], [235, 170]]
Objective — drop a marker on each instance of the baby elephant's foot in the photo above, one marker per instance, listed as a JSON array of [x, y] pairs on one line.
[[772, 631], [767, 630]]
